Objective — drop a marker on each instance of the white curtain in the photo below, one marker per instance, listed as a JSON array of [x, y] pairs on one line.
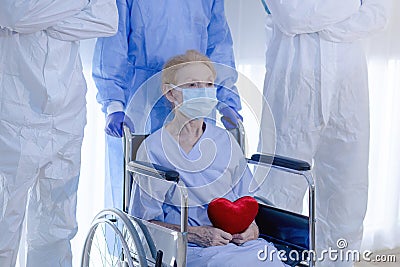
[[91, 183], [246, 19], [382, 222]]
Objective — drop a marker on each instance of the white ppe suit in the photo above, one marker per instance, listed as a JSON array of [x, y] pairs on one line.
[[42, 118], [317, 87]]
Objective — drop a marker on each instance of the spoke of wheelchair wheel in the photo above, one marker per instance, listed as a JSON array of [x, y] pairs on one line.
[[117, 253], [104, 256], [105, 249], [106, 261], [115, 249], [127, 238], [132, 249], [95, 243]]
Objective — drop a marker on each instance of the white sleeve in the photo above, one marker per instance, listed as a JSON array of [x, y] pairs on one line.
[[371, 17], [28, 16], [98, 19], [114, 106], [309, 16]]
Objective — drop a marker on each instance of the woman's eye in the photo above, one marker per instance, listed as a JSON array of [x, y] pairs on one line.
[[210, 84], [192, 85]]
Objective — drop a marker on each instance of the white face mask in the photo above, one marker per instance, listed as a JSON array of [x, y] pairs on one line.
[[198, 102]]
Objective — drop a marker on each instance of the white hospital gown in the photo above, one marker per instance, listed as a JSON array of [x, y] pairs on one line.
[[215, 167]]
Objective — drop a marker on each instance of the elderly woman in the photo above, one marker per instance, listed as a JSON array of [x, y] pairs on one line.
[[210, 164]]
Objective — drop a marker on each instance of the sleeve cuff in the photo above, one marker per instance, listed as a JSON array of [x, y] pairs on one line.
[[114, 106]]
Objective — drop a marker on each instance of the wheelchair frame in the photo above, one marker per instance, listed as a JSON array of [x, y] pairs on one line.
[[134, 232]]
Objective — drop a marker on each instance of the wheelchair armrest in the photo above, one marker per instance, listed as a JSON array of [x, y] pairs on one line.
[[153, 170], [285, 162]]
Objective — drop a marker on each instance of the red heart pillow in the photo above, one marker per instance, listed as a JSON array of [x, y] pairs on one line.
[[232, 217]]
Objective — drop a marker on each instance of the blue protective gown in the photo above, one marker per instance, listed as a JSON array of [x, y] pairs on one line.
[[150, 32], [215, 167]]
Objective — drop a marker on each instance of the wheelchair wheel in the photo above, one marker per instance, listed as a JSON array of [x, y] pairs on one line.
[[113, 241]]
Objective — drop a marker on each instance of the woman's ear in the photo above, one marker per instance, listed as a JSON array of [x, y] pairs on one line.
[[166, 87], [167, 91]]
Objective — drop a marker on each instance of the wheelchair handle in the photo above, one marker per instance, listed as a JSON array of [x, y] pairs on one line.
[[239, 135]]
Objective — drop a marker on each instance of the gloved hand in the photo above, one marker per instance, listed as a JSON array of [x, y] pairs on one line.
[[114, 122], [230, 117]]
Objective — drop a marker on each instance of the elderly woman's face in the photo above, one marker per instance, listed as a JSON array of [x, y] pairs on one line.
[[196, 75], [193, 94]]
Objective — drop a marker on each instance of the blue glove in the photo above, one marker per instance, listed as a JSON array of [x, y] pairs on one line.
[[230, 117], [114, 122]]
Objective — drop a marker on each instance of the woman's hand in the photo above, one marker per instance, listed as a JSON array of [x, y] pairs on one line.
[[250, 233], [207, 236]]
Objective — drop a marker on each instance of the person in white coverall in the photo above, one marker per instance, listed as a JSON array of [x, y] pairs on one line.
[[42, 118], [317, 87]]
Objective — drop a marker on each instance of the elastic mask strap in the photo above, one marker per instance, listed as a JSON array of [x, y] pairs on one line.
[[266, 7]]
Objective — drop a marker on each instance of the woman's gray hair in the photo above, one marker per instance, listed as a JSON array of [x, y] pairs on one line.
[[179, 61]]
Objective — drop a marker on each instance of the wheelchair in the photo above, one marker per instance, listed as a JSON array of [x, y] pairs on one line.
[[116, 238]]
